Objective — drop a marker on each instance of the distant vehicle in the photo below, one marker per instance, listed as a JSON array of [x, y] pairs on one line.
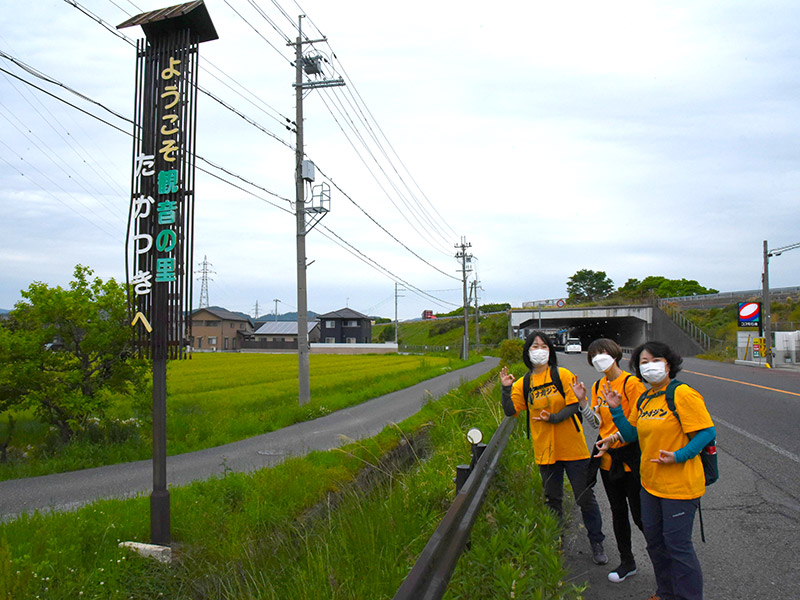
[[573, 345], [428, 314]]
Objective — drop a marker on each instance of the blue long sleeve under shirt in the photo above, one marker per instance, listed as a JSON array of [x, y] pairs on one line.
[[701, 438]]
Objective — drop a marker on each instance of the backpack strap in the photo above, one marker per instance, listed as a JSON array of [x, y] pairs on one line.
[[555, 376], [526, 392], [670, 394], [624, 383]]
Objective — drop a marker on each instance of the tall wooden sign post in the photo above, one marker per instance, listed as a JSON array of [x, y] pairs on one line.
[[161, 219]]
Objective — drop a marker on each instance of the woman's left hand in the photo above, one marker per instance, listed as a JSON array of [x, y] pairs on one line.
[[665, 457], [543, 416]]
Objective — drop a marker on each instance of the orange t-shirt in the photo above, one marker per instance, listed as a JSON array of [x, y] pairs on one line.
[[551, 442], [658, 429], [633, 389]]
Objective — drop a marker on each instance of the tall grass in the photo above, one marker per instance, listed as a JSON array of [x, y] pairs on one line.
[[218, 398], [249, 536]]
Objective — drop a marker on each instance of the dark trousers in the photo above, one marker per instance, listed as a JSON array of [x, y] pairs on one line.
[[668, 531], [623, 496], [553, 483]]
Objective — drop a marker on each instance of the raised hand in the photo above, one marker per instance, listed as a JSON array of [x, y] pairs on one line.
[[506, 378], [613, 399], [580, 390]]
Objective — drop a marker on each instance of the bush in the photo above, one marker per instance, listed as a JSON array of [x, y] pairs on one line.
[[511, 352]]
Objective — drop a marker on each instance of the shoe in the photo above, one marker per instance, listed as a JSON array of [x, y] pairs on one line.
[[654, 597], [622, 572], [598, 554]]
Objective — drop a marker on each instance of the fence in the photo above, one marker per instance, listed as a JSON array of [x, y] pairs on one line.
[[430, 575], [692, 330]]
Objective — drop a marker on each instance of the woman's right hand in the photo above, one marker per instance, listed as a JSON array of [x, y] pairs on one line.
[[613, 399], [604, 444], [506, 378], [579, 389]]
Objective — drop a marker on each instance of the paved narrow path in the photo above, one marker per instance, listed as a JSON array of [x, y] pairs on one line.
[[64, 491]]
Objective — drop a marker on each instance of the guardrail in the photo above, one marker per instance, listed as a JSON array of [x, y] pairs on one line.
[[430, 575]]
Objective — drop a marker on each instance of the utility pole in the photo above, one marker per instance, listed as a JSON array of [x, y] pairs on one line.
[[476, 285], [396, 323], [765, 296], [276, 308], [465, 258], [311, 65], [765, 303]]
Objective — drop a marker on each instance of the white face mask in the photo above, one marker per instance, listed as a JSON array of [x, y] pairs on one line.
[[602, 362], [539, 356], [653, 372]]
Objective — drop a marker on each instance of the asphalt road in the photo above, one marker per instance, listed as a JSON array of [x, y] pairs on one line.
[[65, 491], [751, 515]]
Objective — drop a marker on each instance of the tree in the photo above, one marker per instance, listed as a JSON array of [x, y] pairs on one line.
[[663, 287], [65, 352], [587, 285]]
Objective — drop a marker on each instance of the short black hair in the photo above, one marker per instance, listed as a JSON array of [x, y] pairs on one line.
[[552, 360], [604, 346], [658, 350]]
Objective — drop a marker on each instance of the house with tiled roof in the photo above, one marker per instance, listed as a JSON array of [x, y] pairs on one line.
[[345, 326], [216, 329]]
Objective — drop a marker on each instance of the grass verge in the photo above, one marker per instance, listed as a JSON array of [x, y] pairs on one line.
[[304, 530]]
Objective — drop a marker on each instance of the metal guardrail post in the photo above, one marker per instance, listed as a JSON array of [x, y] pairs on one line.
[[430, 575]]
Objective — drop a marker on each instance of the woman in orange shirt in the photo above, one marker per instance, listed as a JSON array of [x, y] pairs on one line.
[[671, 470], [558, 442], [619, 468]]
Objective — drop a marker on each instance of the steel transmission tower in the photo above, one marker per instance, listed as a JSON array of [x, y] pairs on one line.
[[304, 171], [204, 279]]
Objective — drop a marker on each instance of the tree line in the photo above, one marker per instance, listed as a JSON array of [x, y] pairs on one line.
[[591, 286]]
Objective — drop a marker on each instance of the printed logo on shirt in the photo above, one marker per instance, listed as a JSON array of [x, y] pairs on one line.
[[654, 413], [539, 396]]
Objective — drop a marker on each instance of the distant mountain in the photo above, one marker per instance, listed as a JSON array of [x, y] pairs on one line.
[[290, 316], [4, 311]]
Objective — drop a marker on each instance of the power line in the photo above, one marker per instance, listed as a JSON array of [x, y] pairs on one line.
[[55, 82], [383, 228], [375, 177]]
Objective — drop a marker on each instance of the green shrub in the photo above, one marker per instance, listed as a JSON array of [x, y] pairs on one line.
[[511, 351]]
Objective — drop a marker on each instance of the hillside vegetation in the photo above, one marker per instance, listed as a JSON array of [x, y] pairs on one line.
[[444, 334]]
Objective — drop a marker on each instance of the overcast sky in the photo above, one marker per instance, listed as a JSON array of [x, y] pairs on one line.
[[637, 138]]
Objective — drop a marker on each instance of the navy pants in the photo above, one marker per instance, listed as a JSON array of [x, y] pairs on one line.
[[668, 531], [553, 483], [623, 495]]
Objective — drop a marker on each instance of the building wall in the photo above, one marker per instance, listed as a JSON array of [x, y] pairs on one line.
[[362, 332], [210, 332]]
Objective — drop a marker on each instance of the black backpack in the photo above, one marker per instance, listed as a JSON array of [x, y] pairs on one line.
[[708, 455], [526, 391]]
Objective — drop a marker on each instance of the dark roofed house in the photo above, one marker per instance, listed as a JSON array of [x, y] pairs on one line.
[[345, 326], [216, 329], [280, 335]]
